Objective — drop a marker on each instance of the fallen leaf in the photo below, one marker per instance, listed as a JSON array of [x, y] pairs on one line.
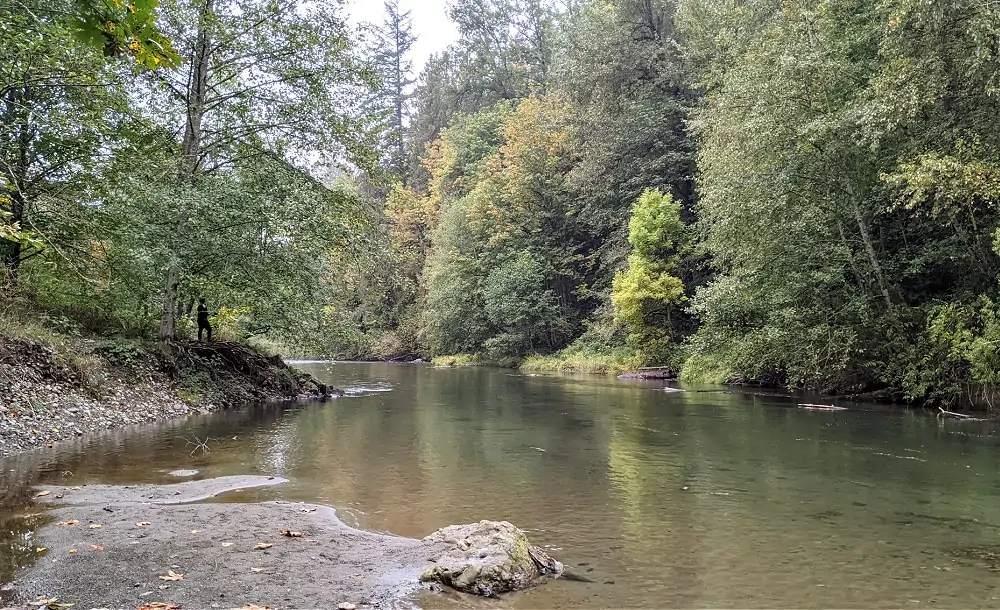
[[143, 524], [74, 489], [195, 531], [40, 549], [255, 607], [95, 526], [158, 606], [173, 576], [42, 494], [256, 569], [44, 601], [227, 544], [72, 551], [307, 510], [96, 547], [70, 522], [262, 546], [291, 534]]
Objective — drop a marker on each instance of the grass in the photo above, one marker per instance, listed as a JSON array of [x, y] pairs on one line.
[[20, 320], [575, 360], [705, 369], [457, 360]]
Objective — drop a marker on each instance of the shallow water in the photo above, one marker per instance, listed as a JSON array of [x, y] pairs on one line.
[[686, 499]]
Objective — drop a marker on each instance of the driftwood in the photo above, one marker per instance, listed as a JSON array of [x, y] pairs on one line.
[[809, 407], [959, 416]]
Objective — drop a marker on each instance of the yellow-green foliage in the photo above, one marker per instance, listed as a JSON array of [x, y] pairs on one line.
[[643, 291], [457, 360], [645, 294], [655, 226], [571, 361]]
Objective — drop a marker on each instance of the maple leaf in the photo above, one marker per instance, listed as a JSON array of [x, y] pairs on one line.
[[172, 576], [291, 534], [262, 546], [44, 601]]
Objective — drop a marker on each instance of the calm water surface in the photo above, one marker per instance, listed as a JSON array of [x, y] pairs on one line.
[[687, 499]]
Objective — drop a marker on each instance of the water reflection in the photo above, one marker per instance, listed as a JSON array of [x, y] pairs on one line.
[[663, 499]]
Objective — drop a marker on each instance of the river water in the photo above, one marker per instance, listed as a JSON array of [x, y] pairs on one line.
[[663, 499]]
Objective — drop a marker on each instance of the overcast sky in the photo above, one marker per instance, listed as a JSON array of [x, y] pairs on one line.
[[433, 29]]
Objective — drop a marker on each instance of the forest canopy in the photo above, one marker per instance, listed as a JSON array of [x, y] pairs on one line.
[[757, 191]]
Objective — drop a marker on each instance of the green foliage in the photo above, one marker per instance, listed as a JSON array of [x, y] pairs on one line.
[[957, 359], [645, 295], [125, 26]]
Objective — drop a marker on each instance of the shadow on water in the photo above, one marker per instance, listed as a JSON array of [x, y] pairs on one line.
[[714, 498]]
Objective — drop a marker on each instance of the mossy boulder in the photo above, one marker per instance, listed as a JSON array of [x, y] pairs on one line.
[[488, 558]]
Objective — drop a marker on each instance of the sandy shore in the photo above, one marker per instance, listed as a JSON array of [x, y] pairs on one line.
[[122, 547]]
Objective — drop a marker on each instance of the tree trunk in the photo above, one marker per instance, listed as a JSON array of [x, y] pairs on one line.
[[168, 321], [866, 238], [16, 108], [190, 164]]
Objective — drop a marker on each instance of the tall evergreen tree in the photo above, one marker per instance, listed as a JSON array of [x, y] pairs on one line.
[[391, 55]]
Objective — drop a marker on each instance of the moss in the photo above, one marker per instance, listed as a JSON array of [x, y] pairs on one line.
[[520, 554]]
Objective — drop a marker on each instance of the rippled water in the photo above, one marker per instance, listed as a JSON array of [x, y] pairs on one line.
[[663, 499]]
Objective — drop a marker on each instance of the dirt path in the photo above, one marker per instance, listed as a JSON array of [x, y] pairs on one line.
[[122, 547]]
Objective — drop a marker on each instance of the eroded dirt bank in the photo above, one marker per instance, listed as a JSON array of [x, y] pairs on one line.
[[123, 547], [49, 396]]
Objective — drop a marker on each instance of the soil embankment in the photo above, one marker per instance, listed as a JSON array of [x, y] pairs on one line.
[[48, 396]]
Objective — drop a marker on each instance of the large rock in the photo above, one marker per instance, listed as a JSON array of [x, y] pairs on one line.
[[488, 558]]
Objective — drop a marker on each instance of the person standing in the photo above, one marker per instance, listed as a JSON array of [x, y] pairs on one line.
[[203, 324]]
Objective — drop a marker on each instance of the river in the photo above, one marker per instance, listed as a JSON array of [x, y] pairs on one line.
[[663, 499]]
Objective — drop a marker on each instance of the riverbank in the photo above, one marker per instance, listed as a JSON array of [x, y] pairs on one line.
[[54, 391], [144, 545]]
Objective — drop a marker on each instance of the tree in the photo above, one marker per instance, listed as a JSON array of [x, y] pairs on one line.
[[393, 41], [646, 295], [625, 73], [260, 78], [60, 109]]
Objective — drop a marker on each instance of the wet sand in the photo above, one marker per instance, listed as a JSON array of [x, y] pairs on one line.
[[148, 535]]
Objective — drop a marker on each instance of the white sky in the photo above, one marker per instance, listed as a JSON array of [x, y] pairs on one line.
[[433, 29]]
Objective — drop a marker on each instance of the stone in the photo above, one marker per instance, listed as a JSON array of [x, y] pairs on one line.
[[488, 558]]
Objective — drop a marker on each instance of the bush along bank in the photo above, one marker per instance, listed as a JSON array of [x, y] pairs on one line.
[[52, 393]]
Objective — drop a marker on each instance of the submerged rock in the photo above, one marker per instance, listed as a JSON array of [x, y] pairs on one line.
[[488, 558]]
